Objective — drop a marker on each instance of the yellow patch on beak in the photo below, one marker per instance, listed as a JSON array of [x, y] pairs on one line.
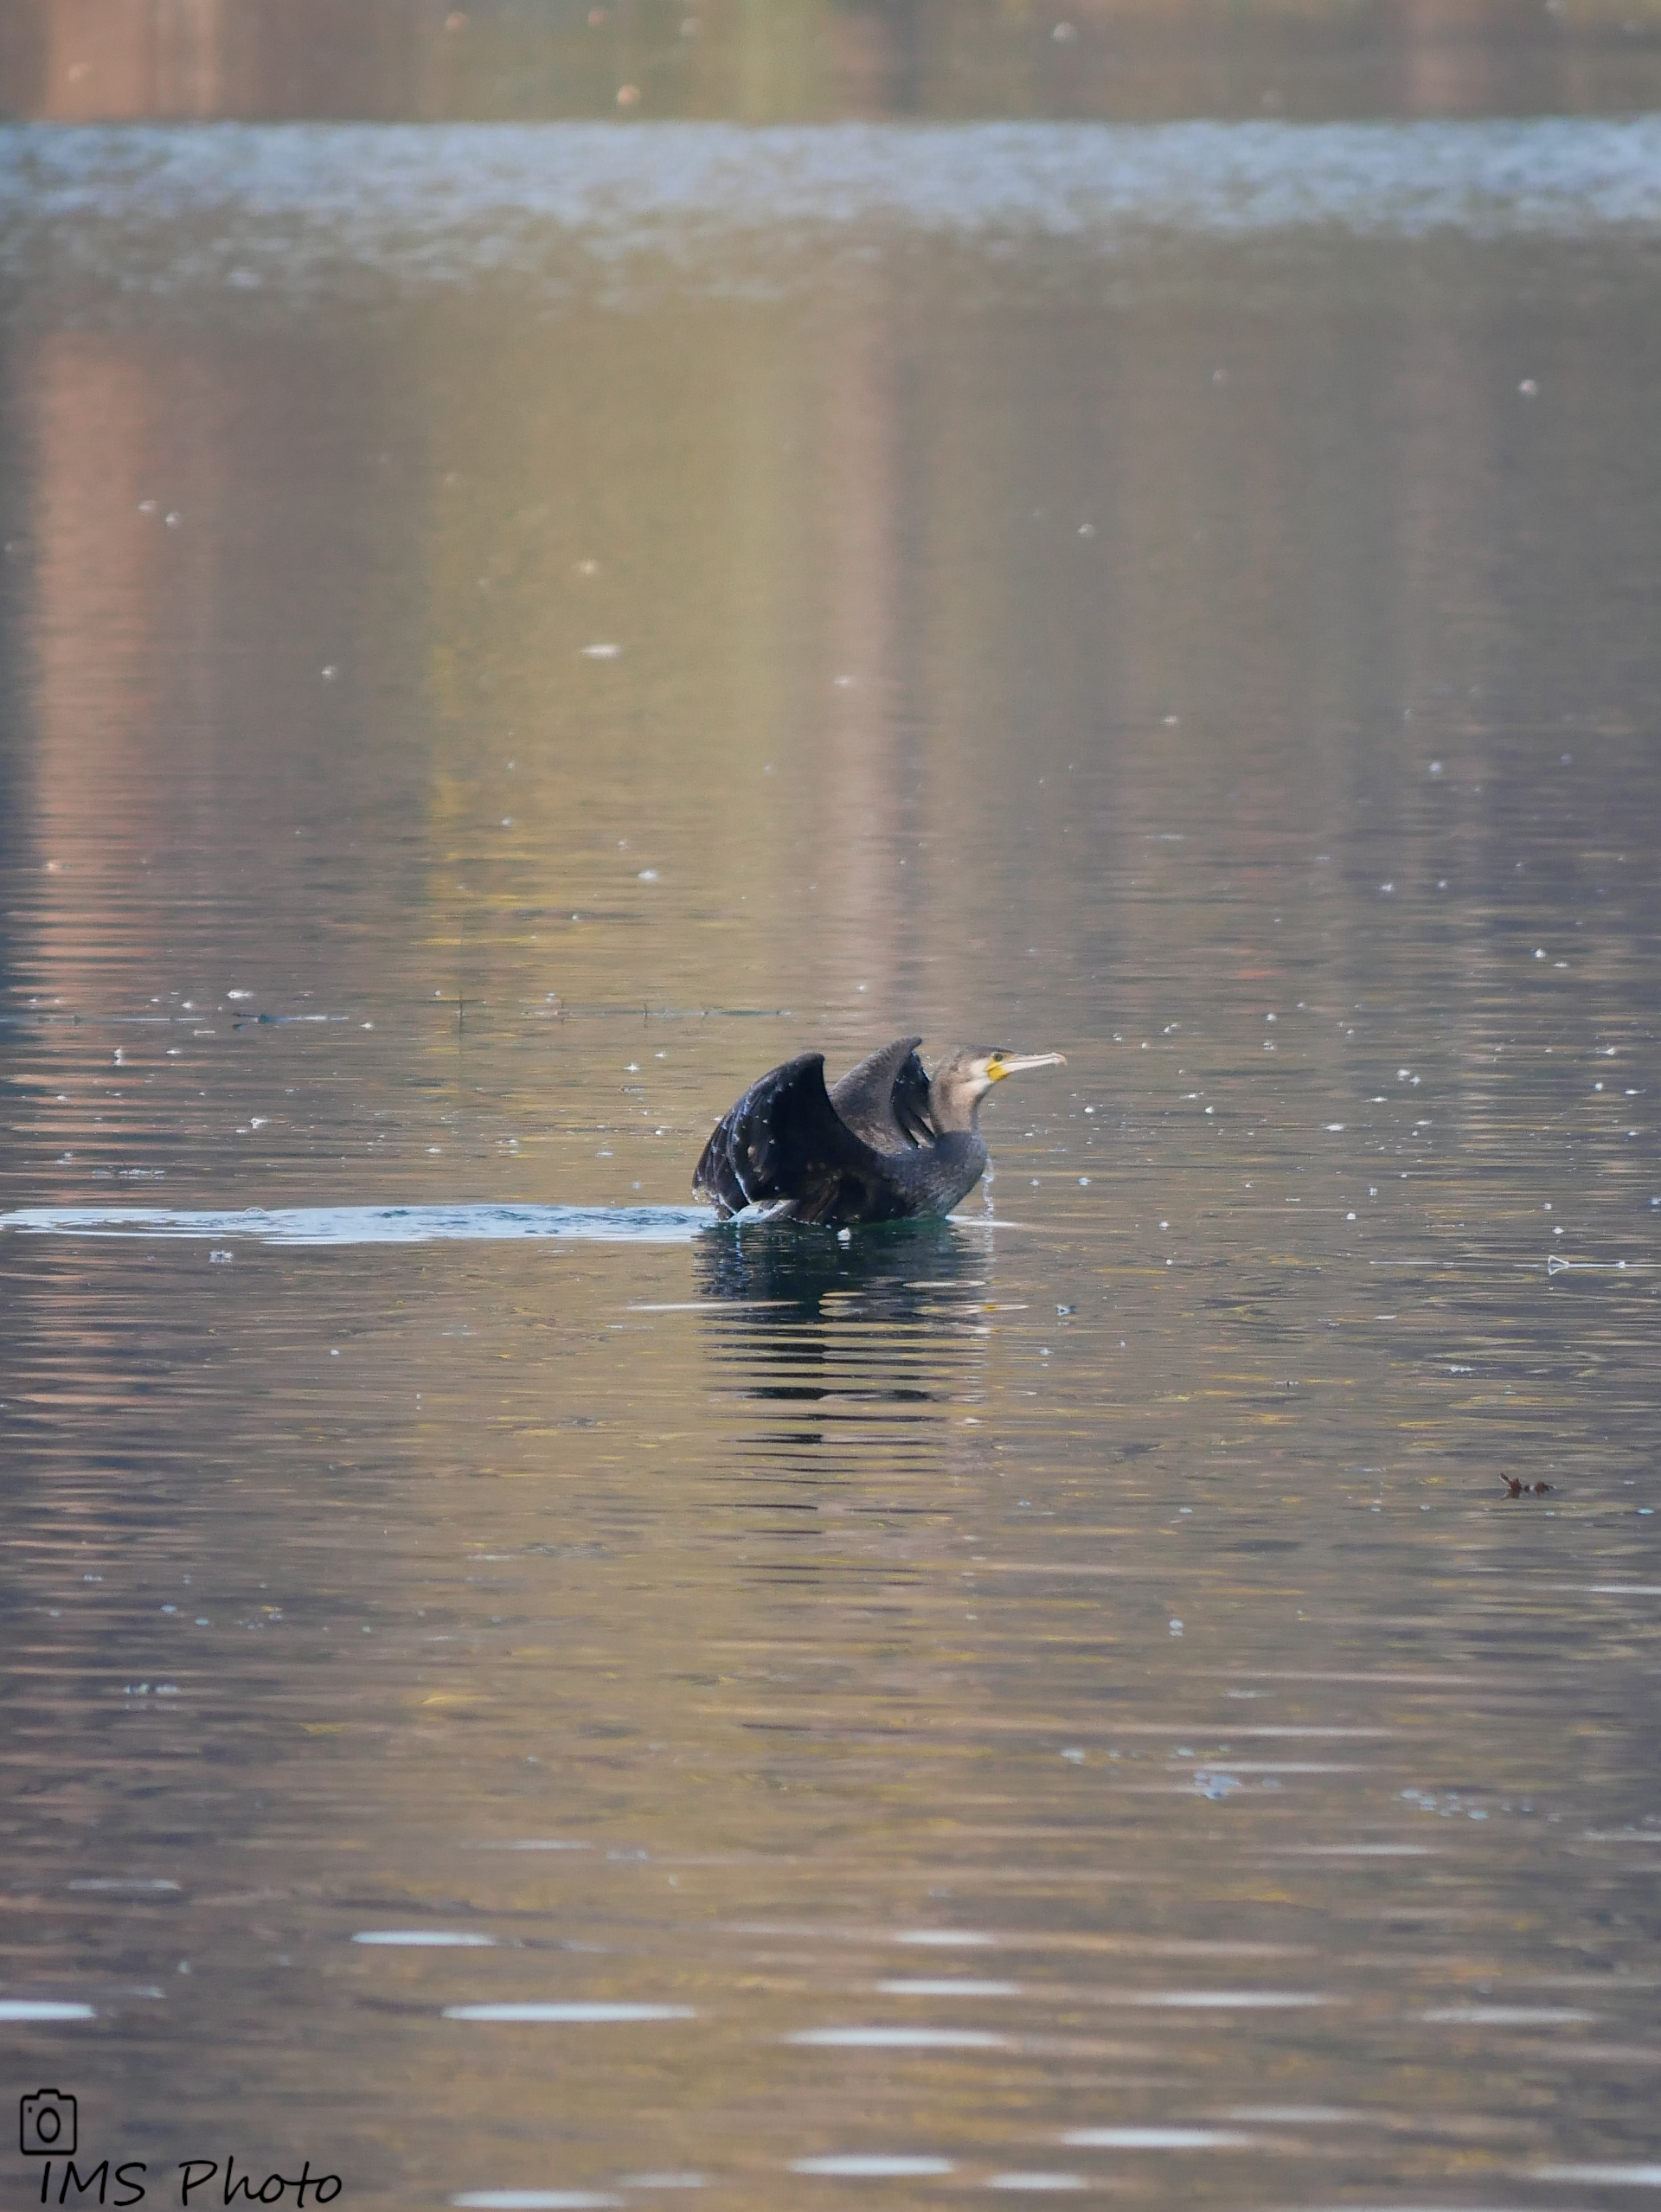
[[1012, 1063]]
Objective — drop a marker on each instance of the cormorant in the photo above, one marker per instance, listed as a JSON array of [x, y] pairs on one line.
[[888, 1141]]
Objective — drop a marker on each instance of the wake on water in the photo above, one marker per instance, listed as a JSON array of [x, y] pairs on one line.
[[354, 1225], [313, 1225]]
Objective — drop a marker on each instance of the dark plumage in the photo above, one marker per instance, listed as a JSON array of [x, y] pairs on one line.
[[888, 1141]]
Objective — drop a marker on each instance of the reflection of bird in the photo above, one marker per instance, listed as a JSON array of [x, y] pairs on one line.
[[890, 1140], [920, 1273]]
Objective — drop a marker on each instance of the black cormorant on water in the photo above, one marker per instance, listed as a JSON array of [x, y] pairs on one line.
[[890, 1140]]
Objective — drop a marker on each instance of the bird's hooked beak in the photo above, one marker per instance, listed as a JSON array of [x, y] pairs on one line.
[[1011, 1063]]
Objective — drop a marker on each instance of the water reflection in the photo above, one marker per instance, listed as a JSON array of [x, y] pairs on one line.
[[905, 1273], [75, 59], [849, 1353]]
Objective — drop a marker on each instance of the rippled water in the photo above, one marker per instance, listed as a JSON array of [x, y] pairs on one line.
[[1060, 1701]]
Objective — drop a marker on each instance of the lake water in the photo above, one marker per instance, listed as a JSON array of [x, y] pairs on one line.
[[525, 1699]]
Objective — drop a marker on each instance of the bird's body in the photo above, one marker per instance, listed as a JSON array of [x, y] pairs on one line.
[[887, 1142]]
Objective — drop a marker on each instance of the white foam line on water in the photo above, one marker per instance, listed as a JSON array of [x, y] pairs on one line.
[[581, 2013], [1232, 2000], [901, 2039], [1507, 2016], [1610, 1589], [427, 1939], [872, 2165], [34, 2008], [134, 1884], [1034, 2183], [1357, 1852], [535, 2200], [1348, 1736], [1604, 2177], [352, 1225]]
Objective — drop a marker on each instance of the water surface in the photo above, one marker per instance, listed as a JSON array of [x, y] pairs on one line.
[[525, 1699]]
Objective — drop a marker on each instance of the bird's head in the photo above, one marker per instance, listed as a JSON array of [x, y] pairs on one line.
[[963, 1081]]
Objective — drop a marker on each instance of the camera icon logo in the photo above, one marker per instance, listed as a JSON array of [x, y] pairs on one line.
[[47, 2125]]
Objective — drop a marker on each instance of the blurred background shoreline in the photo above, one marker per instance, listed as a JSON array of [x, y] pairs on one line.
[[799, 60]]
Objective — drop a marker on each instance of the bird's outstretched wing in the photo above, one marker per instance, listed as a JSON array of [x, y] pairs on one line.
[[885, 1099], [783, 1144]]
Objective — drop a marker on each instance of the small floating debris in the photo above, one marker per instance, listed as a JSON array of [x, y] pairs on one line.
[[1516, 1487]]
